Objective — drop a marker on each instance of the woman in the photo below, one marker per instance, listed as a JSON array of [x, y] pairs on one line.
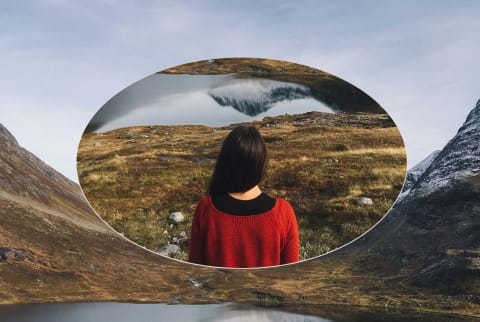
[[237, 225]]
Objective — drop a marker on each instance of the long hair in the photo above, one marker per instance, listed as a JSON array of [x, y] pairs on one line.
[[241, 163]]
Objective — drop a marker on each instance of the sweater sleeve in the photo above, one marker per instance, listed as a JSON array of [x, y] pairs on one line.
[[291, 252], [197, 249]]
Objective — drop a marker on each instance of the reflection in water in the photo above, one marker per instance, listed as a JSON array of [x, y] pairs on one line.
[[213, 100], [126, 312]]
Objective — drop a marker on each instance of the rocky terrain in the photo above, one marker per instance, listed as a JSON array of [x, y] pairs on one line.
[[423, 256]]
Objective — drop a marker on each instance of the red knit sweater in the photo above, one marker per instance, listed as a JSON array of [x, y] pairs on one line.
[[267, 239]]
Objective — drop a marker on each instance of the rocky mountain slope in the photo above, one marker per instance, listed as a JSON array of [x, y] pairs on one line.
[[53, 247], [424, 255], [25, 179], [431, 236], [414, 173]]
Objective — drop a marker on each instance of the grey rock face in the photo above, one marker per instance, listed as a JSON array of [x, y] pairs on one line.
[[458, 161], [416, 172], [432, 233]]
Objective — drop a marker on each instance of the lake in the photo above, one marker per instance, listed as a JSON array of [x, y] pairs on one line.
[[212, 100], [123, 312]]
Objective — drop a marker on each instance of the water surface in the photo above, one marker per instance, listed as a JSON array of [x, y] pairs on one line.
[[126, 312], [212, 100]]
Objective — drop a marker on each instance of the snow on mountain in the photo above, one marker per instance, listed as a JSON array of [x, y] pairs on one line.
[[414, 173], [255, 96], [459, 160]]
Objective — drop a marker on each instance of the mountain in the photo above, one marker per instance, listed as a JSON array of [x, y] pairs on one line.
[[458, 162], [431, 237], [26, 180], [414, 173], [424, 255], [255, 96], [53, 247]]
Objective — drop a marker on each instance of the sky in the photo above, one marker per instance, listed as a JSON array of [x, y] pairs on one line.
[[62, 60]]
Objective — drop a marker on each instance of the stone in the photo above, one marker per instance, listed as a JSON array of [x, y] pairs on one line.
[[364, 201], [168, 250], [176, 217], [174, 299], [194, 283]]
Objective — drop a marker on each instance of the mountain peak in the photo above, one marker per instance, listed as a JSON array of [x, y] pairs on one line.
[[415, 173], [473, 119], [255, 96], [6, 138], [459, 159]]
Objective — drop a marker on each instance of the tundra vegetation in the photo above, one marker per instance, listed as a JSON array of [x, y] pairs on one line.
[[322, 163]]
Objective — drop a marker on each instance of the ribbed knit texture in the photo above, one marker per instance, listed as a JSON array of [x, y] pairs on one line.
[[221, 239]]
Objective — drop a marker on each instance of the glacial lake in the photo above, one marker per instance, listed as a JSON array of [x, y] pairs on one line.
[[127, 312], [212, 100]]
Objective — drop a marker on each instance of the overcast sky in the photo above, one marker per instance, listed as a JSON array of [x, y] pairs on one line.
[[62, 60]]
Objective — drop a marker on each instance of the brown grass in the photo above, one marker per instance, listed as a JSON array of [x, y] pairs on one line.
[[135, 177]]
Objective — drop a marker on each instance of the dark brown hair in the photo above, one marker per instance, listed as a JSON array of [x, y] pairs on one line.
[[241, 162]]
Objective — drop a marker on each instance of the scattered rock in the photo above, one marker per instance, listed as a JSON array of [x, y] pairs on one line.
[[364, 201], [168, 250], [176, 217], [3, 252], [329, 160], [194, 283], [18, 254], [201, 159], [174, 299], [181, 238], [268, 300]]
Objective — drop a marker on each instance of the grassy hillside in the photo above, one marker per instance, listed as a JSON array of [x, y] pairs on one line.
[[321, 163]]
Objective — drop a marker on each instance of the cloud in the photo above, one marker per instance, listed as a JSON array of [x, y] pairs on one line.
[[417, 59]]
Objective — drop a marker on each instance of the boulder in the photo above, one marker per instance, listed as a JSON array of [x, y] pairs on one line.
[[176, 217], [168, 250], [364, 201]]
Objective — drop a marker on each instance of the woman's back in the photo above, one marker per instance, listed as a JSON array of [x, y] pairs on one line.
[[237, 225], [220, 238]]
